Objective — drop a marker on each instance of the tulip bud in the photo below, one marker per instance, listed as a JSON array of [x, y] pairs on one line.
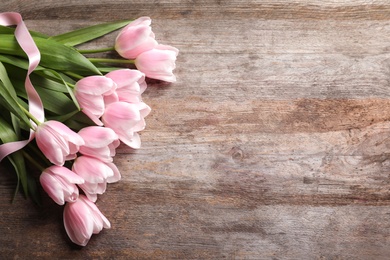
[[57, 141], [100, 142], [158, 63], [60, 184], [126, 119], [90, 92], [82, 218], [135, 38]]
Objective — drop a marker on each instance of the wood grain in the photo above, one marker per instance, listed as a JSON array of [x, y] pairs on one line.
[[273, 144]]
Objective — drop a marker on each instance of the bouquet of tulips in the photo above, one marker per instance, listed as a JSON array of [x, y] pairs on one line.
[[64, 112]]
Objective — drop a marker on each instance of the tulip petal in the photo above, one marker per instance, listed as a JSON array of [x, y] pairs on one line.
[[66, 174], [51, 186], [96, 137], [77, 221], [117, 176], [95, 85], [98, 214], [91, 169], [158, 63]]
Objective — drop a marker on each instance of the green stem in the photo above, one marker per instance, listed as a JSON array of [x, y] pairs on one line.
[[35, 150], [53, 78], [70, 85], [73, 75], [30, 115], [97, 50], [34, 162], [103, 60]]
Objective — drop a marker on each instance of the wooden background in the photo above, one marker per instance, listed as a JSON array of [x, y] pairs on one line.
[[273, 144]]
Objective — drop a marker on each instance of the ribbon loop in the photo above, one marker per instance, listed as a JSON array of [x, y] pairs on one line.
[[28, 45]]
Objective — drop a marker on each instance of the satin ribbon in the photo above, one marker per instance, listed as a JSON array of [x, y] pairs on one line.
[[35, 105]]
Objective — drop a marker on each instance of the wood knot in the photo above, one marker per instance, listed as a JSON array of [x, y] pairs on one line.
[[236, 153]]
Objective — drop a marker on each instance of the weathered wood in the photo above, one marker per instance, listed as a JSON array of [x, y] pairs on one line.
[[273, 144]]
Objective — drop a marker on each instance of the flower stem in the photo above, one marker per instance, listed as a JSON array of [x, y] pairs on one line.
[[73, 75], [30, 116], [34, 162], [103, 60], [97, 50]]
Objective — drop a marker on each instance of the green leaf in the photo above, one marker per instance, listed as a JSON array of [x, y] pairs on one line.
[[17, 62], [11, 30], [53, 101], [8, 96], [41, 79], [17, 160], [53, 81], [70, 91], [86, 34], [33, 190], [79, 121], [54, 55], [64, 117], [7, 133]]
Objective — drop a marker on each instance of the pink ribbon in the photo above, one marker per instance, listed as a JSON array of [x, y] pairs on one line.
[[28, 45]]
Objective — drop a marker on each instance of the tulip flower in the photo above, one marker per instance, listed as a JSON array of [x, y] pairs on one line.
[[100, 142], [57, 141], [130, 84], [90, 93], [158, 63], [135, 38], [82, 218], [126, 119], [60, 184], [96, 175]]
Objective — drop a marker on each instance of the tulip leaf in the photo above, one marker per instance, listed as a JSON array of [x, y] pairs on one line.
[[79, 121], [56, 102], [53, 101], [54, 55], [48, 81], [69, 90], [63, 117], [33, 191], [17, 62], [11, 30], [8, 96], [41, 79], [7, 134], [86, 34]]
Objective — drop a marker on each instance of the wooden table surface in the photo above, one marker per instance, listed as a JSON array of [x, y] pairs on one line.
[[273, 143]]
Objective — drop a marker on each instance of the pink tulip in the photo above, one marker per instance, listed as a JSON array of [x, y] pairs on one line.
[[135, 38], [82, 218], [126, 119], [90, 93], [57, 142], [96, 175], [130, 84], [100, 142], [60, 184], [158, 63]]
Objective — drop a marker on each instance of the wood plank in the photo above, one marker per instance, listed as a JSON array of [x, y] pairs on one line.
[[273, 144]]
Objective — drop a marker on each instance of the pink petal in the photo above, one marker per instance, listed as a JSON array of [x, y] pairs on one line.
[[95, 136], [52, 188], [91, 169], [117, 176], [66, 174], [125, 77], [95, 85], [77, 221], [97, 213]]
